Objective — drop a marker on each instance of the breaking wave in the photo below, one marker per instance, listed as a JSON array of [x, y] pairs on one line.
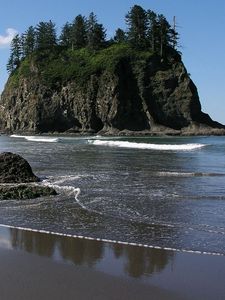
[[42, 139], [165, 147]]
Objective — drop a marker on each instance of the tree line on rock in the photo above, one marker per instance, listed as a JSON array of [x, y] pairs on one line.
[[145, 31]]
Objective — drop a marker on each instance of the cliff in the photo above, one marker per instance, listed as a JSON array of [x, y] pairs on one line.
[[114, 91]]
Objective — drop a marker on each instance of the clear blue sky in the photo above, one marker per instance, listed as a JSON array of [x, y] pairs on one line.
[[202, 30]]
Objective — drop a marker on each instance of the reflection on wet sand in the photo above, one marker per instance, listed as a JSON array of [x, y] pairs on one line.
[[133, 260], [40, 244], [140, 261], [80, 251]]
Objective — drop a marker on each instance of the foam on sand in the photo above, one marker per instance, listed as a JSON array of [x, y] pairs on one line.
[[44, 231]]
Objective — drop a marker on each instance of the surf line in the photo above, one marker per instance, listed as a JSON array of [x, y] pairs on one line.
[[109, 241], [36, 138], [164, 147]]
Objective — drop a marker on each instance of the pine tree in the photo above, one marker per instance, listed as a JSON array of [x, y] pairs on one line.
[[91, 22], [29, 41], [46, 35], [136, 20], [95, 33], [65, 37], [120, 36], [79, 32], [99, 36], [164, 34], [22, 39], [10, 65], [174, 35], [15, 54], [16, 48], [153, 28]]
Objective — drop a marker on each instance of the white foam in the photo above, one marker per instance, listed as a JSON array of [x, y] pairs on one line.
[[70, 190], [165, 147], [182, 174], [44, 139], [188, 174], [17, 136], [66, 178]]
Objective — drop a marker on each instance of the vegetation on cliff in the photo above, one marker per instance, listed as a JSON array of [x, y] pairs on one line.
[[79, 41], [58, 66]]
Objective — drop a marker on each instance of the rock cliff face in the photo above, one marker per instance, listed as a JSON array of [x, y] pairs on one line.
[[149, 96]]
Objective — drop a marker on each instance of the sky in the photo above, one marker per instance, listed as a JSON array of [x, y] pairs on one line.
[[201, 25]]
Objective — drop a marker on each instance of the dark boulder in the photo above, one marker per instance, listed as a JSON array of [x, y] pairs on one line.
[[15, 169], [17, 180]]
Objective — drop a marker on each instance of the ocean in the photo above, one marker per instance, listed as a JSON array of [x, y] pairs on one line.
[[158, 192]]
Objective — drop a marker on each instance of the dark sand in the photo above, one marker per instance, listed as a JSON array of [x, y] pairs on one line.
[[43, 266]]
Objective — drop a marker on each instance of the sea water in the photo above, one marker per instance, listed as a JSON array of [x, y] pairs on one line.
[[165, 193]]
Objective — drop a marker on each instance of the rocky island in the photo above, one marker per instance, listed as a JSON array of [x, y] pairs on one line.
[[17, 179], [133, 84]]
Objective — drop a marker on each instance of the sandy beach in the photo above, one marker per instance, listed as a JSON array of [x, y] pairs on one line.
[[44, 266], [24, 276]]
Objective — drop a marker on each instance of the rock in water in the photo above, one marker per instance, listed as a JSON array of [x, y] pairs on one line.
[[25, 191], [17, 179], [15, 169]]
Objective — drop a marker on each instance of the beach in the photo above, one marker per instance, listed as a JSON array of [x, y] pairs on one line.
[[126, 222], [47, 266]]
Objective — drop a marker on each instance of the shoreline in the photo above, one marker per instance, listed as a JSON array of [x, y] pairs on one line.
[[109, 241], [38, 265]]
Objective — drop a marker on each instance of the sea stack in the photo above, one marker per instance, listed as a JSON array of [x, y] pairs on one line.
[[138, 95]]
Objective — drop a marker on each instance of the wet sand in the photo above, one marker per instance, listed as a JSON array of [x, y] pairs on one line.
[[25, 276], [43, 266]]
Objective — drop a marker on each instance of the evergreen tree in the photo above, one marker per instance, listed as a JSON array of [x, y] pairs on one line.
[[15, 54], [99, 36], [120, 36], [16, 49], [174, 36], [136, 20], [95, 33], [153, 30], [22, 40], [91, 22], [164, 34], [79, 32], [65, 37], [29, 41], [10, 65], [46, 35]]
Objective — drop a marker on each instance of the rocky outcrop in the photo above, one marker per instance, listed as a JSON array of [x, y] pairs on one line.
[[147, 96], [16, 178], [15, 169], [25, 191]]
